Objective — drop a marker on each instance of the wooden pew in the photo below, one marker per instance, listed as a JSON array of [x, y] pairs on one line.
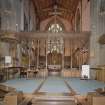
[[94, 98]]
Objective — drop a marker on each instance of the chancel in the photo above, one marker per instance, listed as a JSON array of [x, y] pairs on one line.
[[52, 52]]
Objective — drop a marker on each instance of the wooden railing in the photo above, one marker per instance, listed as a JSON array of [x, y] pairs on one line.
[[99, 73], [71, 73]]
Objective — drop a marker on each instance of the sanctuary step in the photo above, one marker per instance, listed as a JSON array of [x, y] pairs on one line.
[[50, 99], [44, 102], [53, 96]]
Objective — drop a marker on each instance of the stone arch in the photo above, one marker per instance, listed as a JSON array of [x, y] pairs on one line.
[[63, 22], [58, 21]]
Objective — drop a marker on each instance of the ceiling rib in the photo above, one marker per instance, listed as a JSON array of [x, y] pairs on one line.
[[67, 7]]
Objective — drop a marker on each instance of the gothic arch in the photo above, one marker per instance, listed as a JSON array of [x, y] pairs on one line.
[[58, 21]]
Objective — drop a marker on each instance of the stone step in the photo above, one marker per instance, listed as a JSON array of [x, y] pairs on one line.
[[54, 96], [50, 102]]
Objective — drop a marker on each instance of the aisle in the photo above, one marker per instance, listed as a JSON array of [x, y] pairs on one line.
[[54, 84]]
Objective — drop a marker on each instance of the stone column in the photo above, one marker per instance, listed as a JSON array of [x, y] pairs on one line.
[[97, 51], [46, 53], [22, 15], [19, 54], [29, 55], [37, 53], [63, 57], [71, 55]]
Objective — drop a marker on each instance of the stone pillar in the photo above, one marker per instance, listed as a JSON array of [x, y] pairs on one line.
[[71, 63], [63, 57], [22, 15], [37, 53], [46, 53], [19, 54], [29, 54], [97, 29]]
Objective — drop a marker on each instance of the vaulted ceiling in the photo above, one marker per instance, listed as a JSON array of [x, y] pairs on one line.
[[63, 8]]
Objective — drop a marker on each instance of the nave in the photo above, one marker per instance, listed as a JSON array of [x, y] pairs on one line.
[[44, 46], [53, 89]]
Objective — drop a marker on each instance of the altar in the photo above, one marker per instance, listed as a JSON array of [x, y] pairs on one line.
[[54, 69]]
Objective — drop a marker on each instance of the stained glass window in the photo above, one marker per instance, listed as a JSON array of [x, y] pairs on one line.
[[55, 28], [55, 44]]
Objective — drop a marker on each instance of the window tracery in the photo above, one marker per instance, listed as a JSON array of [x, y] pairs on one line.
[[55, 28]]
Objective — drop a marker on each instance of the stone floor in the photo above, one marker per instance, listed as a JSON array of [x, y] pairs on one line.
[[53, 90]]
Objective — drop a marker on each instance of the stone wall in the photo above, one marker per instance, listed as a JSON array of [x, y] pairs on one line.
[[84, 9], [97, 51], [85, 15], [12, 19]]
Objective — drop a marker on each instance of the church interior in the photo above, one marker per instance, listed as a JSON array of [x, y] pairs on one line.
[[52, 52]]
